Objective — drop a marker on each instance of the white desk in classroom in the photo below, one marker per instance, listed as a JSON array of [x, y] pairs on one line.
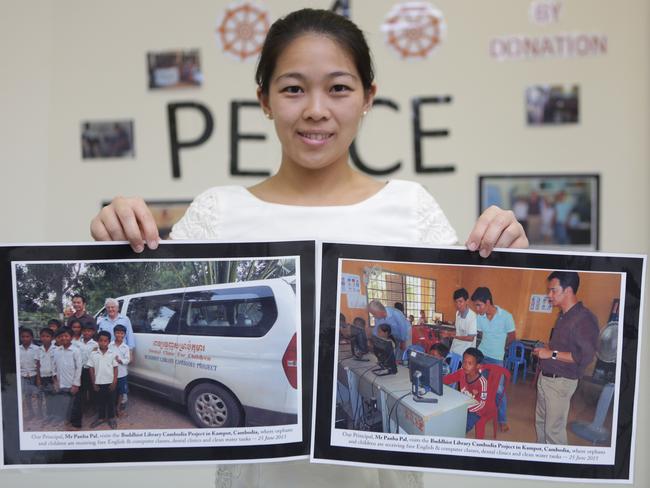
[[357, 382]]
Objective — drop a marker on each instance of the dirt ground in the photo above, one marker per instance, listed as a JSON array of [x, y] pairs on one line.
[[145, 411]]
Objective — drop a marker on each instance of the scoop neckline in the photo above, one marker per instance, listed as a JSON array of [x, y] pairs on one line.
[[375, 195]]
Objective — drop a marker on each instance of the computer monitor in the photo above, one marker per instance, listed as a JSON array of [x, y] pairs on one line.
[[425, 372], [384, 349], [358, 342]]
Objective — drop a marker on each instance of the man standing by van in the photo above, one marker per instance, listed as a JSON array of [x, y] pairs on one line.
[[80, 313], [114, 318]]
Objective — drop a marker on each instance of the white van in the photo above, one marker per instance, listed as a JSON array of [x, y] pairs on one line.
[[227, 351]]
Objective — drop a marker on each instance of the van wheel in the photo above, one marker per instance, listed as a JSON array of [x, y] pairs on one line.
[[213, 406]]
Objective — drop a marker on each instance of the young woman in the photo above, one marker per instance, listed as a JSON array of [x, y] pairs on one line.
[[315, 82]]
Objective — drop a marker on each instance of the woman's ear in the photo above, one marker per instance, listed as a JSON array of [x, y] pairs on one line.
[[370, 98], [264, 103]]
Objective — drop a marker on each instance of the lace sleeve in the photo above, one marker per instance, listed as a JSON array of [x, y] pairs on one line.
[[201, 221], [433, 226]]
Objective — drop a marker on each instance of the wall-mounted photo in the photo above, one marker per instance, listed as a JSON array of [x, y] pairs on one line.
[[107, 139], [557, 211], [552, 104], [183, 352], [480, 381], [174, 69], [166, 213]]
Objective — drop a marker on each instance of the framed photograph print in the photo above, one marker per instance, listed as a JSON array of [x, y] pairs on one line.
[[192, 352], [558, 211], [471, 392]]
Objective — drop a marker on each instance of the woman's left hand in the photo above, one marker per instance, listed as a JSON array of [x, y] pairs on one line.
[[496, 228]]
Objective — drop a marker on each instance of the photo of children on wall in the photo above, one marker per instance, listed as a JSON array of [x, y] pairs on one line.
[[492, 381], [107, 139], [552, 104], [555, 210], [174, 69], [176, 352]]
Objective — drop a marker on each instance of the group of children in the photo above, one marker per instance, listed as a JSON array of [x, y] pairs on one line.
[[73, 368]]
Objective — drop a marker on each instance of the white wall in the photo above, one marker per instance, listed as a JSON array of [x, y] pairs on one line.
[[86, 60], [25, 94], [65, 61]]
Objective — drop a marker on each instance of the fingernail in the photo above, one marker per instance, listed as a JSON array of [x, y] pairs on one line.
[[484, 253], [472, 246], [139, 248], [153, 245]]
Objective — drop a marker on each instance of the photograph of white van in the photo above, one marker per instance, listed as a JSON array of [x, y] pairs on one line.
[[228, 352]]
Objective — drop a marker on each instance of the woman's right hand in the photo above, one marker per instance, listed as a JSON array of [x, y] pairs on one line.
[[126, 219]]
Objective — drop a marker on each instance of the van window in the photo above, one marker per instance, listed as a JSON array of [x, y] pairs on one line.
[[157, 314], [235, 312]]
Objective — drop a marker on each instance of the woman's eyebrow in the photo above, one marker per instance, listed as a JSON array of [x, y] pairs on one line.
[[302, 77]]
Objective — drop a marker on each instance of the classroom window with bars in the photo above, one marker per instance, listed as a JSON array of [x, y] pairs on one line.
[[414, 292]]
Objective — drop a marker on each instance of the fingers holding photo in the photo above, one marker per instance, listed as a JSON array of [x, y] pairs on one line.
[[126, 219], [496, 228]]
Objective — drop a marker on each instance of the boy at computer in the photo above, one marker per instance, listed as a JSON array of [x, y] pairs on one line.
[[471, 383], [440, 351]]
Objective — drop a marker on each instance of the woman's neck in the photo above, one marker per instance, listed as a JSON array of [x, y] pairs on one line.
[[336, 184]]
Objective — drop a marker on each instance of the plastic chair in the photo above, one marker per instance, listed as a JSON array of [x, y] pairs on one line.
[[454, 360], [412, 347], [490, 411], [516, 357]]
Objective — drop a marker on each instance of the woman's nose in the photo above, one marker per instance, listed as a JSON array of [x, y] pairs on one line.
[[317, 107]]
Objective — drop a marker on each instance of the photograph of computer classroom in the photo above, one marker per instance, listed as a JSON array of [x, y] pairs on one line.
[[430, 349]]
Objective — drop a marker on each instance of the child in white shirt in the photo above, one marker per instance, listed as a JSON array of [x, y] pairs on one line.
[[86, 346], [123, 357], [66, 367], [45, 373], [103, 373], [28, 353]]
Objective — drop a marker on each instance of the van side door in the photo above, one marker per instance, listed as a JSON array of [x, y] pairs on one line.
[[155, 319]]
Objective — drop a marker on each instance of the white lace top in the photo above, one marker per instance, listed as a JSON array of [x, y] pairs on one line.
[[402, 212]]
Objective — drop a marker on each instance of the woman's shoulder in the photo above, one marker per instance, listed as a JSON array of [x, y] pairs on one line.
[[202, 218], [432, 224], [414, 210], [397, 185], [215, 193], [413, 192]]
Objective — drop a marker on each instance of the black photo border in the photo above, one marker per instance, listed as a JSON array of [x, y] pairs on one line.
[[12, 455], [323, 451], [525, 176]]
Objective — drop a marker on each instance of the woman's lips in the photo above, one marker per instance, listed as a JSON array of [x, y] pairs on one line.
[[315, 138]]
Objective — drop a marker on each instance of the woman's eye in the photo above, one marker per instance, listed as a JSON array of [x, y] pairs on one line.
[[340, 88], [293, 89]]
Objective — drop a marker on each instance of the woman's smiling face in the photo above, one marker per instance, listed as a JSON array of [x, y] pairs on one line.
[[316, 99]]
